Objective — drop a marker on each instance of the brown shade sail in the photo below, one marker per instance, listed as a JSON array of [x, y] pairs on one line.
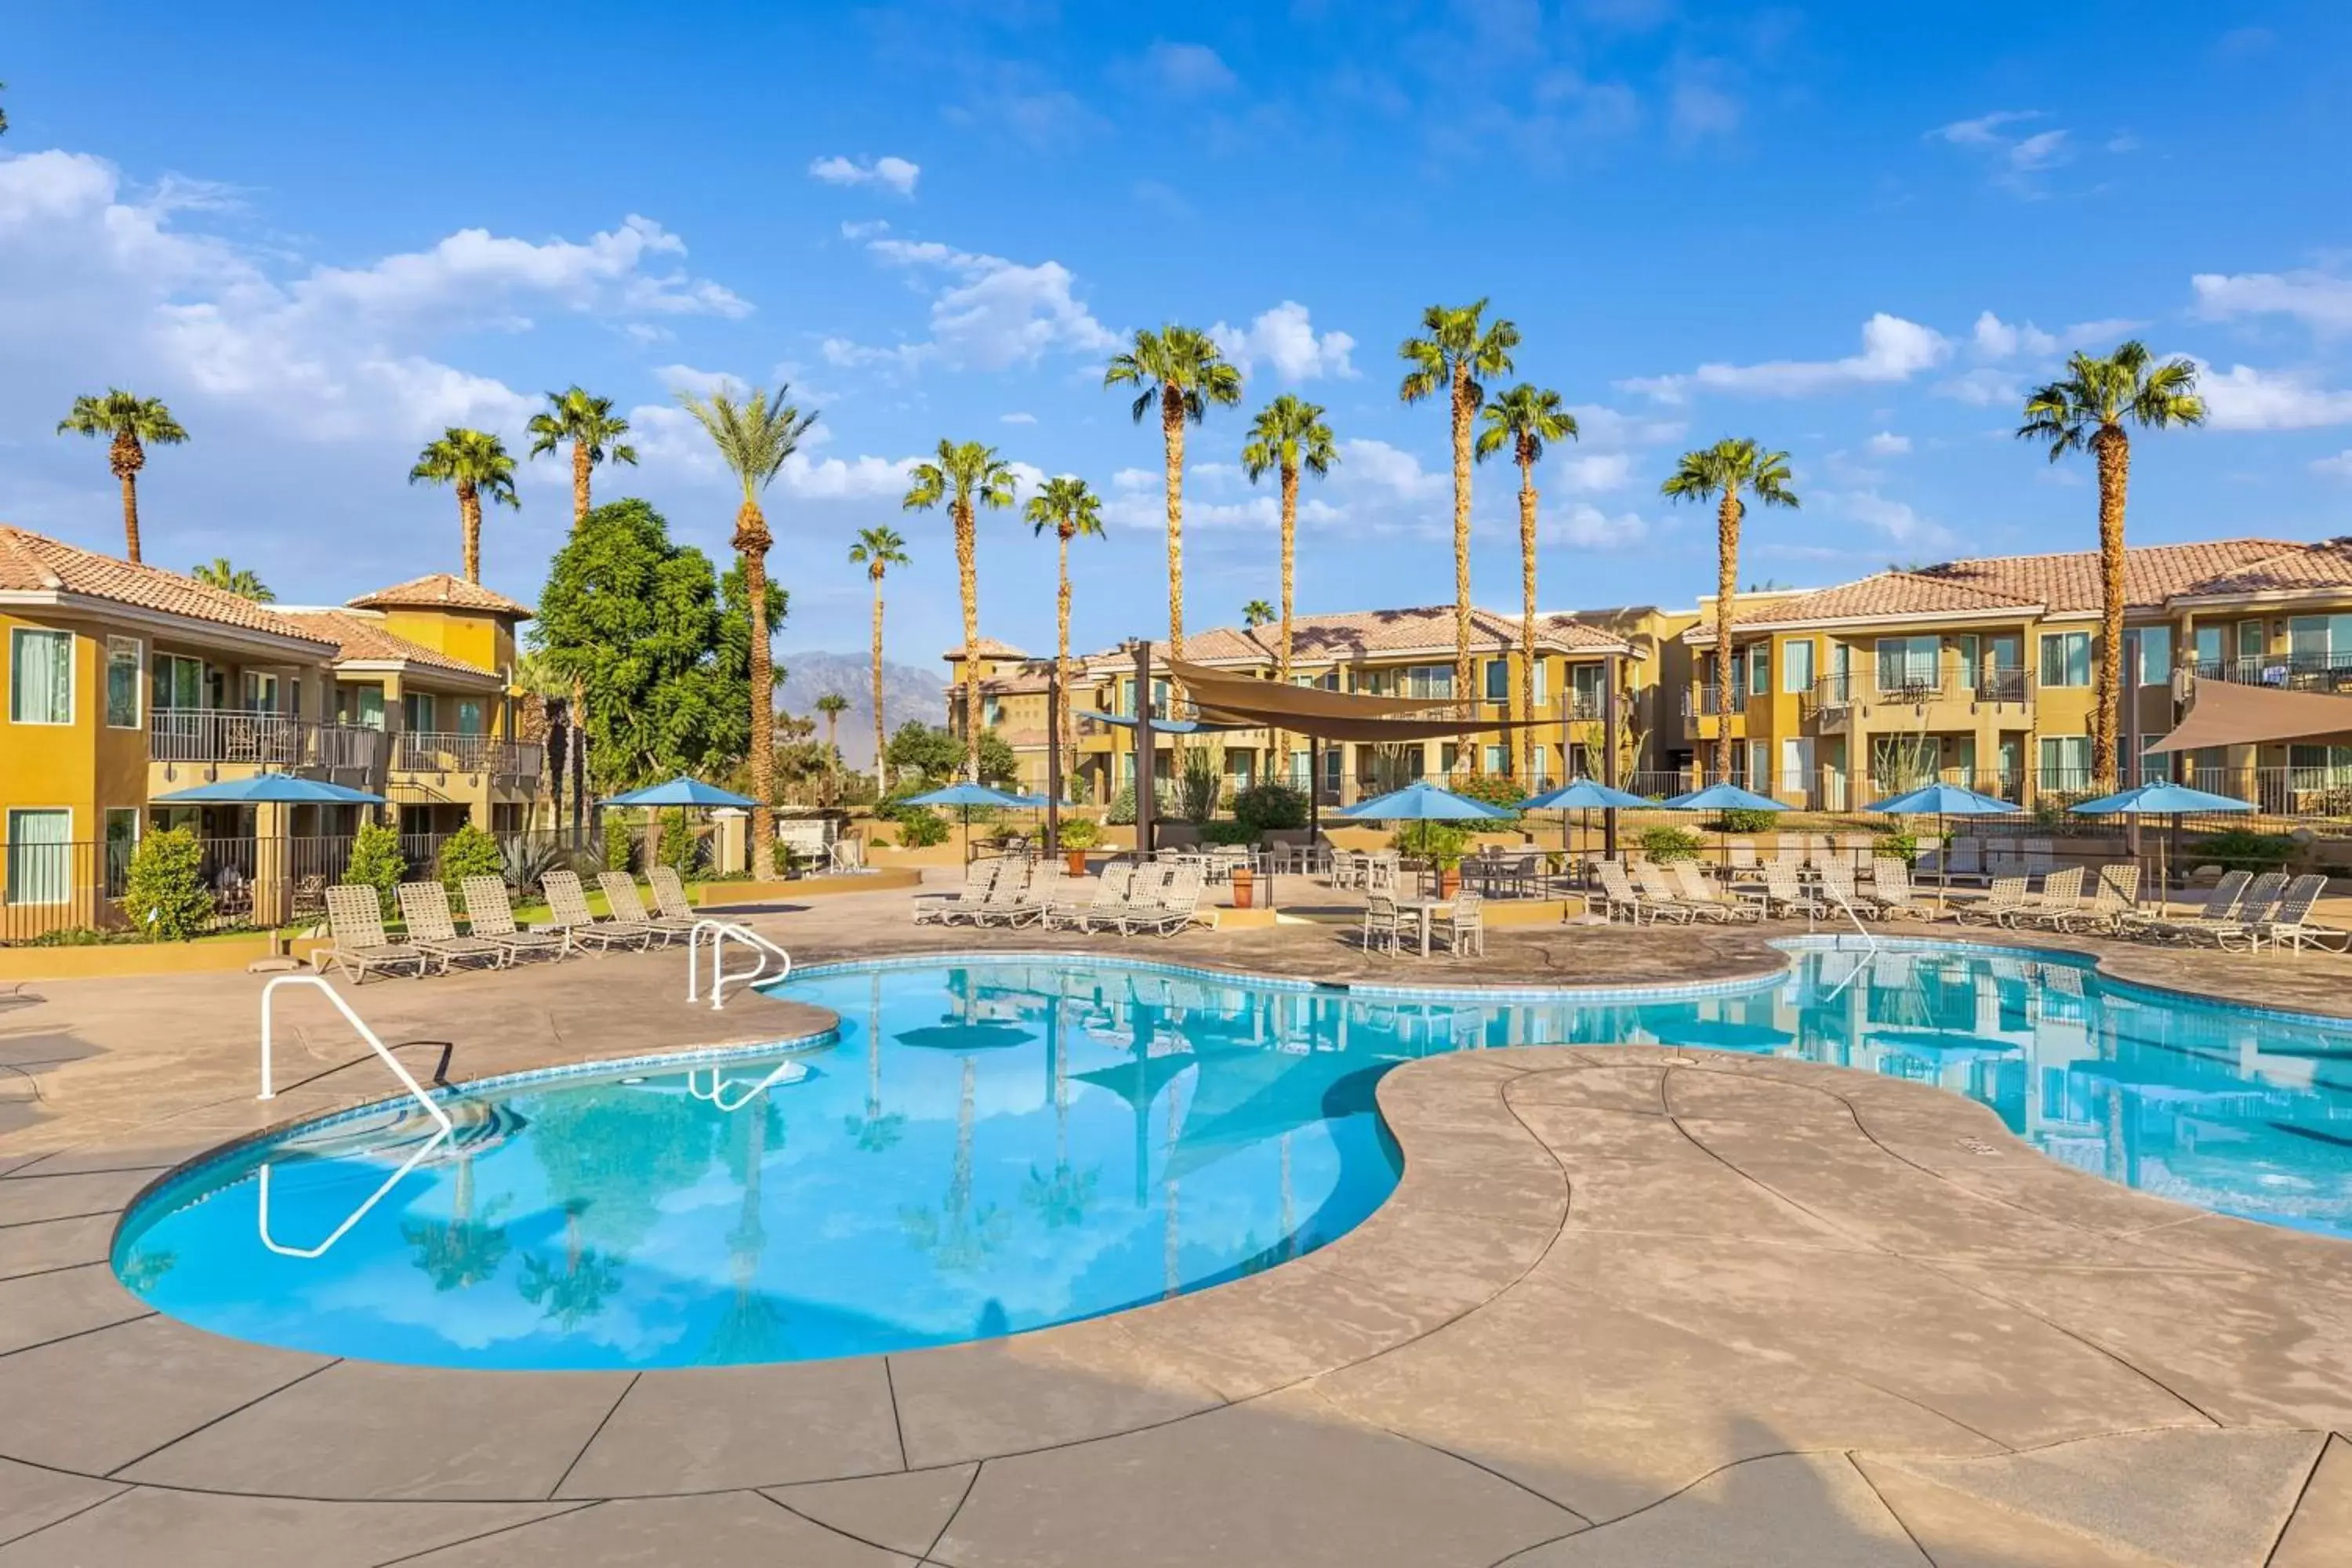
[[1223, 698], [2222, 714]]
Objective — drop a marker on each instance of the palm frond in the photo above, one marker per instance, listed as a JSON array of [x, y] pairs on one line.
[[754, 437]]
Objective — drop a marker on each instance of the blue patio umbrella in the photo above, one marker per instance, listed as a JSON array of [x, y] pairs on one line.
[[682, 792], [967, 795], [1583, 794], [1943, 800], [269, 789], [1724, 796], [1421, 801], [2160, 799]]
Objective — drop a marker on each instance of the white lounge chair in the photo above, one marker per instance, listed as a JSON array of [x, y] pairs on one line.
[[966, 901], [424, 911], [621, 898], [357, 945], [567, 901], [489, 915]]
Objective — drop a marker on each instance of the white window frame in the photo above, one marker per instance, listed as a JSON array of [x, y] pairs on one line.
[[139, 678], [8, 892], [17, 636], [2090, 663], [1543, 685], [1788, 681]]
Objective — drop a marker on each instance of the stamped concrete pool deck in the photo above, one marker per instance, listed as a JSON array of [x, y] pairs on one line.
[[1629, 1305]]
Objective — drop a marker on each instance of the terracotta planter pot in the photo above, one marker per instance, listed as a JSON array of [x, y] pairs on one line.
[[1076, 861], [1244, 878], [1449, 881]]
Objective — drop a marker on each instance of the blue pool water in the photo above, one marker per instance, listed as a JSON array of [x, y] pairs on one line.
[[995, 1145]]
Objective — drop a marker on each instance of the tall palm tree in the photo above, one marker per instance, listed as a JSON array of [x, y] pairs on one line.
[[131, 425], [877, 550], [477, 463], [242, 580], [1072, 511], [1524, 418], [590, 427], [1719, 473], [1258, 613], [832, 705], [1457, 351], [754, 438], [966, 475], [1179, 370], [1287, 436], [2087, 410]]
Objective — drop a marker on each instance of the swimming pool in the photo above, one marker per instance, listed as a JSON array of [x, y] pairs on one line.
[[997, 1145]]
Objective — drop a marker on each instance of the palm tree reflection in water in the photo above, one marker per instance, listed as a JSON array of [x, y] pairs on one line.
[[577, 1294], [960, 1235], [461, 1250]]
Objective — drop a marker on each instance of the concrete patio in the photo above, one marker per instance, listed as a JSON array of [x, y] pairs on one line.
[[1629, 1305]]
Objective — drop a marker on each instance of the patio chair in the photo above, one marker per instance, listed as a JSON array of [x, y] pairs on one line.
[[1890, 885], [1962, 862], [1043, 893], [2290, 924], [1347, 868], [1177, 907], [979, 877], [424, 909], [1617, 894], [1782, 896], [1838, 891], [357, 945], [2005, 898], [2222, 901], [1380, 870], [1384, 922], [1742, 852], [491, 916], [1007, 901], [2060, 899], [1465, 925], [2256, 909], [568, 902], [2113, 890], [1659, 895], [1712, 900], [1100, 912], [669, 893], [621, 898]]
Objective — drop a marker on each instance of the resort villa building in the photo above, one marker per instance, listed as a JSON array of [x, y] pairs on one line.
[[126, 684], [1981, 673]]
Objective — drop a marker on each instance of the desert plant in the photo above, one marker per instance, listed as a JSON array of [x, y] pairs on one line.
[[1439, 843], [1270, 807], [1663, 844], [2243, 849], [468, 852], [1197, 786], [165, 896], [1740, 819], [523, 861], [377, 862], [1901, 845], [1081, 833]]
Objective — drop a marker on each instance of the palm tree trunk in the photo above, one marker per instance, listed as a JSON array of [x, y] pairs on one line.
[[881, 770], [751, 530], [469, 526], [1726, 578], [1282, 637], [1171, 440], [968, 581], [1069, 720], [2112, 447], [126, 458], [580, 466], [1526, 612], [1462, 411]]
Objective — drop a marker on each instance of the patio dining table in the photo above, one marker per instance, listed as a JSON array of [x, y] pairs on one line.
[[1426, 911]]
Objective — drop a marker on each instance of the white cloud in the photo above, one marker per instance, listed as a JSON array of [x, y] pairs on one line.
[[1587, 527], [2038, 151], [893, 173], [1893, 350], [1285, 338], [2318, 299], [867, 229], [1984, 130], [1017, 419], [1997, 339], [1594, 471], [1899, 520], [2340, 465], [991, 312], [1392, 469], [1187, 68], [1136, 479], [2244, 398], [1697, 109], [2016, 159], [701, 382], [1887, 444], [1982, 387]]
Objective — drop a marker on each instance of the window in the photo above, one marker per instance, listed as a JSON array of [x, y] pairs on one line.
[[260, 692], [1759, 672], [1587, 683], [1760, 766], [122, 683], [1543, 669], [179, 683], [121, 840], [2065, 762], [1498, 760], [1907, 664], [2252, 644], [1499, 680], [416, 712], [40, 678], [470, 717], [2208, 649], [39, 851], [2155, 656], [2066, 659], [2319, 767], [2320, 642], [1797, 665]]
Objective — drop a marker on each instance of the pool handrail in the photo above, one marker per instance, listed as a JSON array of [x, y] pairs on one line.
[[783, 1072], [721, 934]]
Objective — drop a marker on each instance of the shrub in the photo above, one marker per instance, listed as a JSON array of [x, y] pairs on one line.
[[1900, 845], [1121, 813], [2243, 849], [681, 845], [1270, 807], [1197, 786], [1440, 843], [920, 826], [618, 841], [1081, 833], [469, 852], [376, 862], [166, 899], [1225, 832], [1739, 819], [1663, 844], [1492, 789], [81, 936]]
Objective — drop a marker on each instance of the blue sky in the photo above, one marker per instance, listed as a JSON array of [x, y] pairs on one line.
[[1854, 232]]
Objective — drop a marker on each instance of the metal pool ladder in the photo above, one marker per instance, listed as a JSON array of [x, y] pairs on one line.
[[444, 1128], [721, 934]]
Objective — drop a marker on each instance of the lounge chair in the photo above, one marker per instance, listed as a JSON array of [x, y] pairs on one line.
[[1384, 922], [2222, 901], [1782, 896], [2006, 897], [1007, 902], [1657, 890], [669, 893], [621, 897], [1101, 911], [491, 916], [424, 909], [1963, 861], [1617, 894], [357, 945], [1711, 899], [1465, 925], [2115, 890], [1042, 893], [1742, 853], [568, 901], [1178, 907], [2290, 925], [2060, 899], [962, 904], [1890, 886]]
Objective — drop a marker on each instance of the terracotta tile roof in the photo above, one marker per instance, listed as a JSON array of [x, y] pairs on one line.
[[986, 648], [2069, 584], [440, 591], [362, 638], [1362, 634], [33, 562], [2326, 564]]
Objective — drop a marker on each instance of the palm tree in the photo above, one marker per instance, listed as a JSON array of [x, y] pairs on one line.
[[1458, 350], [590, 427], [1258, 613], [1179, 370], [1524, 418], [2087, 410], [966, 475], [754, 438], [238, 580], [1072, 511], [832, 705], [1287, 436], [477, 464], [1720, 472], [131, 425], [877, 550]]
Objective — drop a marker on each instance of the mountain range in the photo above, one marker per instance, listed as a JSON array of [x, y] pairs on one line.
[[907, 693]]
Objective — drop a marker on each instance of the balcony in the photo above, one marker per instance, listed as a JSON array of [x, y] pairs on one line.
[[2323, 672], [218, 735], [438, 751]]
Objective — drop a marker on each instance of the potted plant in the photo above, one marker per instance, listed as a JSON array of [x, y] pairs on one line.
[[1441, 845], [1080, 834]]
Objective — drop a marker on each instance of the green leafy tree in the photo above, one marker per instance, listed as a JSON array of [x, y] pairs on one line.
[[619, 839], [1719, 473], [680, 843], [377, 862], [1179, 371], [877, 550], [129, 424], [2087, 410], [589, 426], [1071, 511], [1457, 353], [754, 439], [468, 852], [165, 895], [478, 465], [937, 756], [1525, 419], [239, 580], [966, 475]]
